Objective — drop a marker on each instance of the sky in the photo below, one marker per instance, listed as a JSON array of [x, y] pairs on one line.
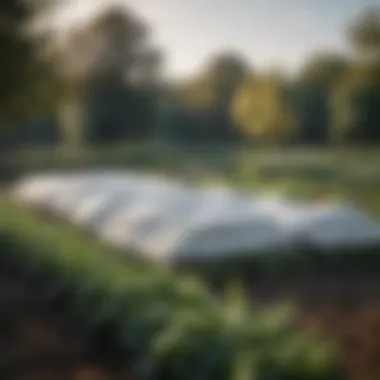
[[276, 33]]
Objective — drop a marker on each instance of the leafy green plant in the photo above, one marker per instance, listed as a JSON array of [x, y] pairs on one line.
[[173, 324]]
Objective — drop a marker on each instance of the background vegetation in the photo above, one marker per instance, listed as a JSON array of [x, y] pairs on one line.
[[103, 84]]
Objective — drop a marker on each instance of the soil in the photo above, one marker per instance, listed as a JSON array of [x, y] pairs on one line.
[[37, 343], [345, 306], [357, 329]]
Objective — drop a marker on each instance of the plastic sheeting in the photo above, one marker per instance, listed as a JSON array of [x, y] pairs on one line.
[[166, 220]]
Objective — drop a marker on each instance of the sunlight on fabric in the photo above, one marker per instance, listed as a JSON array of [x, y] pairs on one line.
[[166, 220]]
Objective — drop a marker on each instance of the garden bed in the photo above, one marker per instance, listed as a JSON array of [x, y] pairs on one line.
[[339, 301], [171, 325]]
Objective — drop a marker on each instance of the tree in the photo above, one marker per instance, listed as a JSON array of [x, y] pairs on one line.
[[309, 95], [323, 69], [104, 59], [204, 101], [216, 84], [261, 111], [356, 104], [223, 74], [356, 96], [25, 79], [364, 32], [126, 84]]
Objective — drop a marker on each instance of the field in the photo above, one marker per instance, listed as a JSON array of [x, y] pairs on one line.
[[342, 301], [345, 174]]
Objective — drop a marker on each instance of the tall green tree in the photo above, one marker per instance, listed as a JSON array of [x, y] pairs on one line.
[[223, 74], [309, 95], [202, 103], [356, 96], [356, 104], [25, 79], [103, 63]]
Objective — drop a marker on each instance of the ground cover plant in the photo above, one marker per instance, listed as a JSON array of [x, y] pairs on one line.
[[173, 326]]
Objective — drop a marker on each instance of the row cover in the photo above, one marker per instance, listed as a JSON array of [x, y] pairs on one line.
[[167, 220]]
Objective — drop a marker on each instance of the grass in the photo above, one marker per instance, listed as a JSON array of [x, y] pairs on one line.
[[311, 165], [347, 175]]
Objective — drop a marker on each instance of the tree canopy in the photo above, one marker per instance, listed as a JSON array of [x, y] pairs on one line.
[[364, 31], [103, 80], [261, 111]]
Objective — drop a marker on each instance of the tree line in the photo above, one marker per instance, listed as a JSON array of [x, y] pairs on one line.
[[101, 83]]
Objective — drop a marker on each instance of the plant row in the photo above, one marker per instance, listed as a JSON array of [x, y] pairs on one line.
[[172, 324]]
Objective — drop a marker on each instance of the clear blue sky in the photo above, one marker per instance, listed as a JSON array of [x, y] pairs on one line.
[[267, 32]]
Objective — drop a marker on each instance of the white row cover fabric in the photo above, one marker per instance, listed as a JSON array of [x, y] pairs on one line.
[[169, 221], [328, 226]]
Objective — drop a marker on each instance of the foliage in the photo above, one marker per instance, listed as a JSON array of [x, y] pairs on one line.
[[261, 111], [224, 73], [111, 45], [197, 109], [115, 111], [173, 324], [108, 71], [356, 101], [28, 86], [308, 96], [269, 109], [323, 69], [364, 31]]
